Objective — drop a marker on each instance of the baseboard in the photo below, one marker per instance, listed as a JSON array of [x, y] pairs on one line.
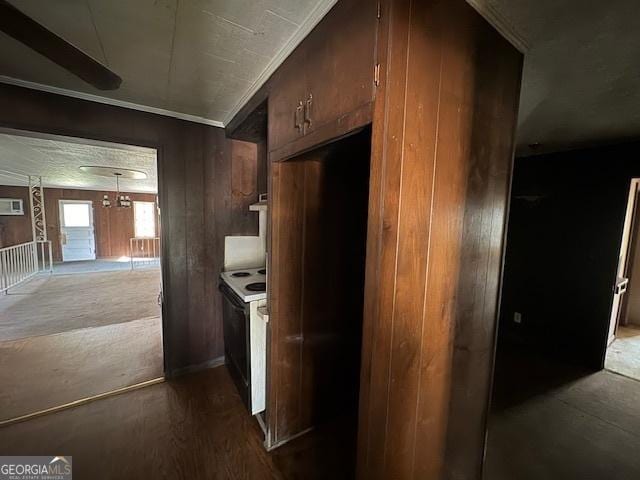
[[273, 446], [213, 363]]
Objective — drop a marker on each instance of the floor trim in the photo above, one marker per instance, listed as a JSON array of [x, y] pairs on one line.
[[620, 374], [213, 363], [82, 401], [279, 444]]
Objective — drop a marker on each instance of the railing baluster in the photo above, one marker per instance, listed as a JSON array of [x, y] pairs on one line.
[[3, 269], [12, 267], [144, 250], [20, 262]]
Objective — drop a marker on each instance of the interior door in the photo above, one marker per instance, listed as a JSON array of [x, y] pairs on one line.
[[77, 235], [622, 276]]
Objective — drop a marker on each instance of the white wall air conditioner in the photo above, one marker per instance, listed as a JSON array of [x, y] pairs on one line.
[[11, 206]]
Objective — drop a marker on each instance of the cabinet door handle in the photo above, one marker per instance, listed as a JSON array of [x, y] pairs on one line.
[[307, 110], [299, 116]]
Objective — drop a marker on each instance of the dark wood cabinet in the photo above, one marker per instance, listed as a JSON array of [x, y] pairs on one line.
[[439, 87], [286, 101], [340, 63], [327, 79]]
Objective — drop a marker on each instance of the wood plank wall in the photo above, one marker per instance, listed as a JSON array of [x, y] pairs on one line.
[[195, 181], [15, 229], [113, 226], [442, 151]]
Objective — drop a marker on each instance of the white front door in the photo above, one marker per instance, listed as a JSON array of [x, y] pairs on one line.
[[77, 235]]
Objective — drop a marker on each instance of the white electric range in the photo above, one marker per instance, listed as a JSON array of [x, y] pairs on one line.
[[249, 283], [244, 323]]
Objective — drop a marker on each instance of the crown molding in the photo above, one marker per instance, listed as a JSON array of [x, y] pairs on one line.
[[109, 101], [308, 24], [500, 23], [483, 7]]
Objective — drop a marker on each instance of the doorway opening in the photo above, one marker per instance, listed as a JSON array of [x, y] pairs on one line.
[[623, 342], [80, 276], [564, 268], [317, 271]]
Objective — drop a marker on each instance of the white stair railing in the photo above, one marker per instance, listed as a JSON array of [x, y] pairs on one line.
[[17, 264], [20, 262], [144, 251]]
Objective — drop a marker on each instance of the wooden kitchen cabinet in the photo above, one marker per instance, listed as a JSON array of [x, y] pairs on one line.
[[340, 63], [286, 109], [328, 79]]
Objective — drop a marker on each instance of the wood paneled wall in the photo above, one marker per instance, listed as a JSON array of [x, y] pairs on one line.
[[195, 182], [443, 131], [15, 229], [113, 226]]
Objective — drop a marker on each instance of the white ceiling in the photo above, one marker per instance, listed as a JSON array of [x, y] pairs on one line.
[[58, 161], [204, 58], [581, 81], [200, 58]]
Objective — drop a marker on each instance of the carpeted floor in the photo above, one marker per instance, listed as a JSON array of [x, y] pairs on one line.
[[104, 265], [623, 356], [49, 304], [47, 371]]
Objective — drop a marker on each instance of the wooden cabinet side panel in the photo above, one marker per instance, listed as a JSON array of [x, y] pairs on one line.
[[285, 301], [492, 116], [438, 206]]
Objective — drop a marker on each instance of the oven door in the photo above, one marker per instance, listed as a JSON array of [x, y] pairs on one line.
[[235, 314]]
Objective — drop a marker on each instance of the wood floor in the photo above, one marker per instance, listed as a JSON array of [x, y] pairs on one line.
[[194, 427], [38, 373], [552, 421]]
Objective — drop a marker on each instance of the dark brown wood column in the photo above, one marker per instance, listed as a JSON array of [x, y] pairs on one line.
[[443, 132]]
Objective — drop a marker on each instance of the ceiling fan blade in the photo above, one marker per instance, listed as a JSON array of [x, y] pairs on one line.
[[26, 30]]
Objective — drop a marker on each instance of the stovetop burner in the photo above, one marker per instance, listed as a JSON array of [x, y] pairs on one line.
[[240, 274], [256, 287], [262, 271]]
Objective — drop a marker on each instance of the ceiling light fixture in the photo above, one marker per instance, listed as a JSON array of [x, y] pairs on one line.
[[122, 201]]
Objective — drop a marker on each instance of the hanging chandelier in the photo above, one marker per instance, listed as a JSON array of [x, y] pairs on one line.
[[121, 201]]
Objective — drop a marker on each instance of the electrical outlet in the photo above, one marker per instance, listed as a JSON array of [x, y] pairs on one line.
[[517, 317]]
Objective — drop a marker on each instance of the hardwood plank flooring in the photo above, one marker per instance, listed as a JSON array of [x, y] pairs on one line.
[[194, 427], [47, 371]]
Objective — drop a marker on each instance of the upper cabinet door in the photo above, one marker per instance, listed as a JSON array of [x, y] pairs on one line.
[[329, 75], [286, 107], [340, 62]]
